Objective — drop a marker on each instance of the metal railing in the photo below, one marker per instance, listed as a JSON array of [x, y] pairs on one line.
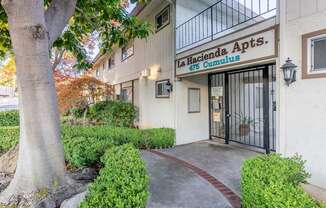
[[220, 18]]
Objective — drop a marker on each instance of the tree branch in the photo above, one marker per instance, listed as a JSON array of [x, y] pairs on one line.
[[58, 58], [57, 17]]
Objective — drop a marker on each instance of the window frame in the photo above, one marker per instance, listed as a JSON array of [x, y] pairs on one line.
[[111, 63], [129, 46], [156, 89], [312, 54], [195, 111], [159, 14], [122, 98], [307, 55]]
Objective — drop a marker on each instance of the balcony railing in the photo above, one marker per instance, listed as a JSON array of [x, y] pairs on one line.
[[221, 18]]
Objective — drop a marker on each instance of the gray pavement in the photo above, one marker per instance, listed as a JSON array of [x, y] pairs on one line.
[[174, 186], [222, 161]]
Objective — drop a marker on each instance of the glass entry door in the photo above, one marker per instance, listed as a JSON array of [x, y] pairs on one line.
[[217, 106], [243, 107]]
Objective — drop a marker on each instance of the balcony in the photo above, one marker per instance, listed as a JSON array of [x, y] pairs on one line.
[[222, 18]]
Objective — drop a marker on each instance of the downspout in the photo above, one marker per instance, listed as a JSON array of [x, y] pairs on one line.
[[173, 52]]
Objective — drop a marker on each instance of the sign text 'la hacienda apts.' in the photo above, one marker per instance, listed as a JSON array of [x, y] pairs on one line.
[[257, 46]]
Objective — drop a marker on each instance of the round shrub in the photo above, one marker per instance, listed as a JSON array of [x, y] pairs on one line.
[[114, 113], [85, 151], [273, 181]]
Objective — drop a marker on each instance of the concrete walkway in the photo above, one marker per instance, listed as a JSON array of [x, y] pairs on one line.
[[173, 185]]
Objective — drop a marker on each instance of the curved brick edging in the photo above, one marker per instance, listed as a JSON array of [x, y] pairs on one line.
[[234, 200]]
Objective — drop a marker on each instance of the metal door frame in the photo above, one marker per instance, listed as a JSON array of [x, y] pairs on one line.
[[266, 102]]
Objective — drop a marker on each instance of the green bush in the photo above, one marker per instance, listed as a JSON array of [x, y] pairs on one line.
[[149, 138], [84, 145], [159, 138], [113, 113], [82, 152], [123, 182], [8, 138], [9, 118], [77, 113], [273, 181]]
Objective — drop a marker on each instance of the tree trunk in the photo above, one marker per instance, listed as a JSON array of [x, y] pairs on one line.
[[84, 116], [41, 160]]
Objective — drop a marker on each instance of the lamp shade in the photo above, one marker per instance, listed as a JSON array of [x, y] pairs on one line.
[[289, 71]]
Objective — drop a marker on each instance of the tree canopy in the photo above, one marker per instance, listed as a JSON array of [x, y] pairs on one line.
[[82, 92], [106, 19]]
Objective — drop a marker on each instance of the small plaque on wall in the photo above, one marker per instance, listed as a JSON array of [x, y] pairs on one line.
[[193, 100], [217, 91]]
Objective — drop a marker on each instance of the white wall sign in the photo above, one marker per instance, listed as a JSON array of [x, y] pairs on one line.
[[217, 91], [251, 48]]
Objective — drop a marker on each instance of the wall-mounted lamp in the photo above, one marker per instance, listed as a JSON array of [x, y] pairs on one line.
[[169, 86], [146, 73], [289, 72]]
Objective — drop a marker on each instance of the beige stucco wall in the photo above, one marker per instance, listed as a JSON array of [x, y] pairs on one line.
[[302, 111], [192, 127], [154, 54]]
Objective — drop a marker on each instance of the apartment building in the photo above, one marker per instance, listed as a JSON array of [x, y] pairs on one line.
[[248, 72]]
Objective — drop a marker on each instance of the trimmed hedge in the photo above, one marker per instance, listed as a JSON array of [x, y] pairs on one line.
[[273, 181], [148, 138], [83, 151], [84, 145], [116, 135], [9, 118], [159, 138], [123, 182]]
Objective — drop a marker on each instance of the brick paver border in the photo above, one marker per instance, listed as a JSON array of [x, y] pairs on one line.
[[234, 199]]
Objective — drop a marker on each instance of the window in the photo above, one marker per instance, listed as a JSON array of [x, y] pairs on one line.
[[97, 73], [126, 94], [318, 51], [162, 19], [127, 51], [111, 63], [162, 89], [193, 100], [313, 55]]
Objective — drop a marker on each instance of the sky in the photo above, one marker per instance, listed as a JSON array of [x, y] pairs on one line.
[[131, 7]]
